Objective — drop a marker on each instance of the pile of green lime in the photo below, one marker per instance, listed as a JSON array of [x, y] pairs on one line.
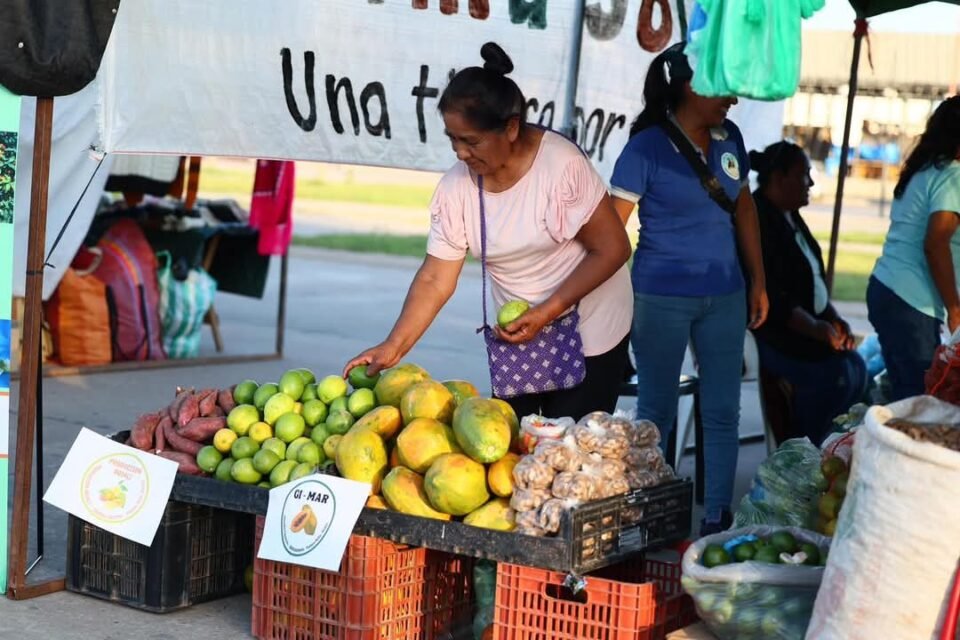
[[768, 550]]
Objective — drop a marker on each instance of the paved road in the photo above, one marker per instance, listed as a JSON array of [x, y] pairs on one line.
[[339, 303]]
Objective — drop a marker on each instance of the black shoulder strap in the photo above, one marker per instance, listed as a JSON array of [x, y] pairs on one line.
[[710, 182]]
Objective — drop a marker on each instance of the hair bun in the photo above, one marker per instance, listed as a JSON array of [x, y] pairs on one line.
[[758, 160], [496, 59]]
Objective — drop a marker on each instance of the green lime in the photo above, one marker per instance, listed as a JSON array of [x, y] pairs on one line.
[[307, 375], [813, 553], [243, 393], [265, 460], [339, 404], [339, 422], [244, 472], [330, 446], [768, 554], [783, 542], [360, 380], [714, 556], [331, 388], [292, 384], [311, 453], [281, 473], [264, 393], [744, 551], [276, 445], [309, 393], [243, 448], [279, 404], [242, 417], [293, 449], [302, 470], [361, 402], [314, 412], [290, 426], [511, 311], [208, 458], [319, 434], [223, 470], [263, 484]]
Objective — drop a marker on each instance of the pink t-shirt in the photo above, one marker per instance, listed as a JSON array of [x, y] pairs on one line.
[[531, 230]]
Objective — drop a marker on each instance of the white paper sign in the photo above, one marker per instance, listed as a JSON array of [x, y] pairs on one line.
[[309, 521], [118, 488]]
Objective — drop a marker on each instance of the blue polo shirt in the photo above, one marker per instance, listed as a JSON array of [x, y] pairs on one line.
[[687, 242]]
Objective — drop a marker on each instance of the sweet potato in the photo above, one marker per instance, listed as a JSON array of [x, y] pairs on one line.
[[141, 436], [208, 402], [217, 413], [189, 410], [177, 442], [202, 429], [182, 394], [159, 436], [187, 463], [226, 401]]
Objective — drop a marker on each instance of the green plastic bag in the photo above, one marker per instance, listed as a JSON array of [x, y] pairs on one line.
[[485, 592], [183, 306], [748, 48]]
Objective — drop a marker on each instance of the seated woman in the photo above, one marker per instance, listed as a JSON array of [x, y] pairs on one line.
[[804, 341]]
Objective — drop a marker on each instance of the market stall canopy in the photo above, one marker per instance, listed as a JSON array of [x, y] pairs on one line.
[[870, 8], [53, 49]]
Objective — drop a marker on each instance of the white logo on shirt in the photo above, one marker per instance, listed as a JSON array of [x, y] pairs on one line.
[[730, 165]]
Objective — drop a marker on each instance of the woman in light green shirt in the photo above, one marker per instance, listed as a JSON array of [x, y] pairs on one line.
[[913, 289]]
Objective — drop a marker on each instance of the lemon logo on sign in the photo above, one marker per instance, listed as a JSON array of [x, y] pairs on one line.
[[114, 488], [730, 164], [306, 516]]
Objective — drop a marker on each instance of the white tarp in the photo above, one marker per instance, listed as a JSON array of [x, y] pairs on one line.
[[71, 166]]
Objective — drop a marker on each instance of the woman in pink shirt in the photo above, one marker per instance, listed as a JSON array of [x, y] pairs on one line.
[[552, 238]]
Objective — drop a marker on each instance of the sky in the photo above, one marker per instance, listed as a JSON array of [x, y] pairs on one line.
[[933, 17]]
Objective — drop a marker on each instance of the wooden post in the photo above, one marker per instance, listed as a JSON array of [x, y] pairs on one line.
[[17, 588]]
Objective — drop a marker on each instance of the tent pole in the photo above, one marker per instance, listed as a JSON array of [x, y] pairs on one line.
[[573, 77], [30, 365], [858, 34]]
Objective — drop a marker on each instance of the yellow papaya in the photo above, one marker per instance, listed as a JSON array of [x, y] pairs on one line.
[[482, 430], [461, 390], [423, 441], [427, 399], [500, 475], [403, 490], [496, 515], [362, 456], [391, 385], [385, 422], [455, 484]]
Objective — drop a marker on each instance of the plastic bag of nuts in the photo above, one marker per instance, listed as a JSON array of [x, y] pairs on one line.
[[532, 473], [527, 524], [562, 455], [575, 485], [529, 499], [642, 478], [550, 513], [644, 458], [645, 434]]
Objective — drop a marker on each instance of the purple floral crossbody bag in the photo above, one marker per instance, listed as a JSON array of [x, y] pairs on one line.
[[551, 361]]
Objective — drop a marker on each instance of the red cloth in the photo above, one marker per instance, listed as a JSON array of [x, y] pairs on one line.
[[271, 208]]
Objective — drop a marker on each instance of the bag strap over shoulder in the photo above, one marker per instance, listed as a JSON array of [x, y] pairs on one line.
[[709, 181]]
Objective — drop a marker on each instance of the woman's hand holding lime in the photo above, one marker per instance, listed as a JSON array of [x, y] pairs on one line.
[[525, 327], [383, 356]]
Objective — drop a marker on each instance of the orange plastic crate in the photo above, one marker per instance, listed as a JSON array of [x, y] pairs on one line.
[[639, 600], [383, 591]]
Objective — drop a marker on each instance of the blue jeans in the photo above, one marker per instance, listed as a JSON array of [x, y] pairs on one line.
[[716, 326], [908, 339], [822, 389]]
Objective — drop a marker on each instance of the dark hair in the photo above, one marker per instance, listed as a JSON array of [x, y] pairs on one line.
[[938, 145], [779, 157], [485, 95], [663, 89]]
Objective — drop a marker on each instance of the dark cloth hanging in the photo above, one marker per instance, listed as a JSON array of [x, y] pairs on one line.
[[50, 49]]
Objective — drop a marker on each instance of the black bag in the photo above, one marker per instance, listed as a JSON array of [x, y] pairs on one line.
[[50, 49], [708, 179]]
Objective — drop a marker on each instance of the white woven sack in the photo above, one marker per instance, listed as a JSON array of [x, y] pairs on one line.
[[897, 542]]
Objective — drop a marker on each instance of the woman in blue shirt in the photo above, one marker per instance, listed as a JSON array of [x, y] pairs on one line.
[[913, 288], [687, 278]]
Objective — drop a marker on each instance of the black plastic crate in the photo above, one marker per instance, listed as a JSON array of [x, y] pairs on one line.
[[198, 554], [607, 531]]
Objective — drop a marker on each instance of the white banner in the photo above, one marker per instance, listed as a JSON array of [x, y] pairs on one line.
[[358, 82]]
